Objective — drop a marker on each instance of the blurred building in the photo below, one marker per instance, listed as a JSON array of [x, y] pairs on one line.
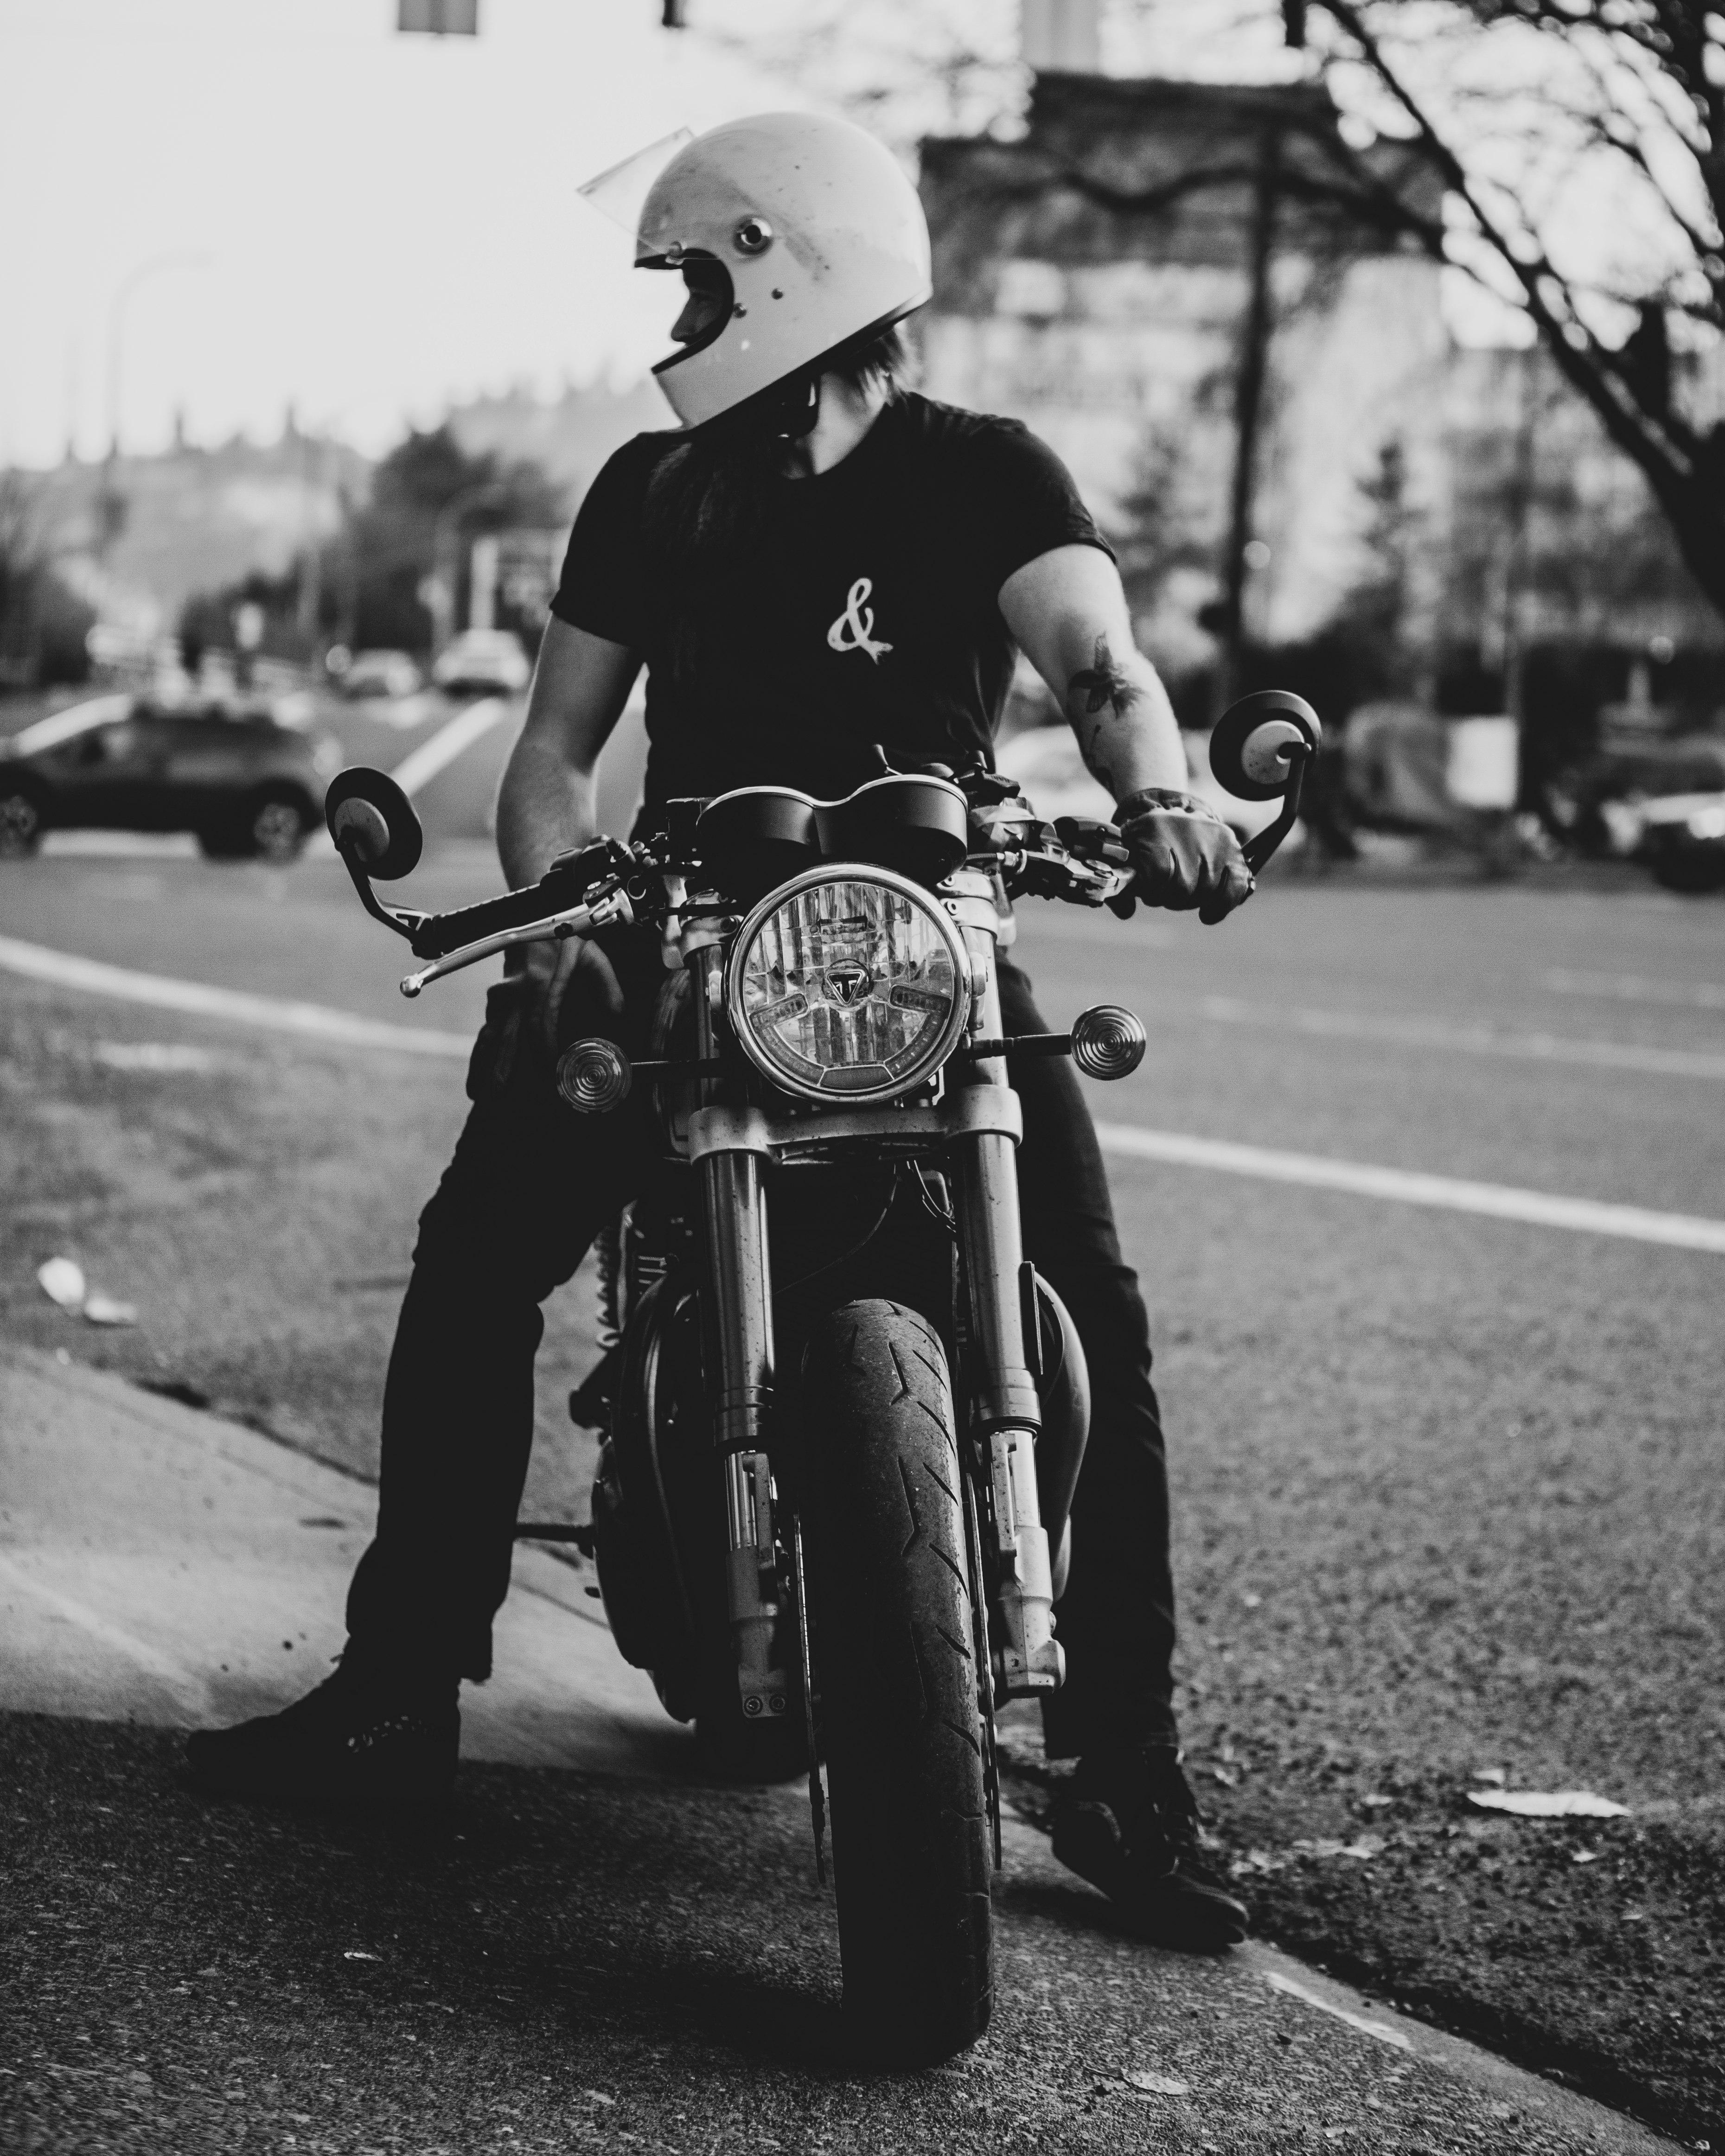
[[1548, 531], [568, 437], [1114, 275], [1095, 278], [138, 535]]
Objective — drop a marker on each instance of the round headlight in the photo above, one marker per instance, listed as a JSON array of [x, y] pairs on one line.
[[849, 982]]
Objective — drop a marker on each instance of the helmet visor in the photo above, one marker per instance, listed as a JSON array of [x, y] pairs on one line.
[[621, 190]]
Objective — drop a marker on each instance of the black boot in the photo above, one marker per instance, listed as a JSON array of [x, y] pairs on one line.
[[1130, 1826], [369, 1735]]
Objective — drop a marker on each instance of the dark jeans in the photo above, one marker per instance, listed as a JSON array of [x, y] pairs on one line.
[[529, 1187]]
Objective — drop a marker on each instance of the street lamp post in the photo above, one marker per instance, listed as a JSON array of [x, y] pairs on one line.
[[124, 293], [446, 534]]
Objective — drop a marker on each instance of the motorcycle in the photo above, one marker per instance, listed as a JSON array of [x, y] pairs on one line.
[[842, 1418]]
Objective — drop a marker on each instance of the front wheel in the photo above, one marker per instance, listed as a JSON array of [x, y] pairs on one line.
[[275, 828], [20, 822], [898, 1679]]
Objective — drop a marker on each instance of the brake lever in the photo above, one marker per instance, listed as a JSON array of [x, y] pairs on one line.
[[613, 910]]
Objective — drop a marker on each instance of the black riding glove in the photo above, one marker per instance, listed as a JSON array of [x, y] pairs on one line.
[[1185, 855]]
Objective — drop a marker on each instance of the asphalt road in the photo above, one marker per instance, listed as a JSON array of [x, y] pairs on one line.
[[626, 1955], [1447, 1488], [576, 1963]]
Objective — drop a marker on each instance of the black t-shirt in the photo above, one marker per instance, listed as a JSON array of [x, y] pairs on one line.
[[864, 610]]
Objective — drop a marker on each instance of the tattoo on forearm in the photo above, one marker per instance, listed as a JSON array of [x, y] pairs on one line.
[[1104, 684], [1105, 687]]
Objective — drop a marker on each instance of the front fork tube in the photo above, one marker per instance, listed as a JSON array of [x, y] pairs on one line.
[[752, 1582], [735, 1204], [1028, 1659]]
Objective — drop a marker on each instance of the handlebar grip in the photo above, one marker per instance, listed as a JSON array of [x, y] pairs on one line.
[[567, 883]]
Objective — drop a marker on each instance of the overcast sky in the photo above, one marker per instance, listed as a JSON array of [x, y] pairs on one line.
[[373, 222], [307, 208]]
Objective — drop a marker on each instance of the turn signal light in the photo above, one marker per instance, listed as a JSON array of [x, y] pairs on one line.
[[1108, 1041], [594, 1076]]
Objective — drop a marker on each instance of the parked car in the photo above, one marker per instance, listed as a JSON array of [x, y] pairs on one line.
[[489, 660], [1682, 841], [380, 674], [246, 786]]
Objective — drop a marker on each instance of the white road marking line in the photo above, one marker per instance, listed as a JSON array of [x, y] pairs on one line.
[[1636, 988], [1468, 1041], [63, 969], [119, 845], [1496, 1201], [421, 765], [1384, 2031], [1682, 1231]]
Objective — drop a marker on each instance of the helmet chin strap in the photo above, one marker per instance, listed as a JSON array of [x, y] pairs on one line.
[[788, 410], [785, 412], [791, 408]]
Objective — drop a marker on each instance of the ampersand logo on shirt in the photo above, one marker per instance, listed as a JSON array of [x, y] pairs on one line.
[[854, 628]]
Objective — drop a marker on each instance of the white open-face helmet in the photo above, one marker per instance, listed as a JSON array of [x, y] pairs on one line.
[[820, 240]]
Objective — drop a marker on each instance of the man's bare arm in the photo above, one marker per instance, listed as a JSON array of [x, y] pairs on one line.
[[545, 803], [1069, 614]]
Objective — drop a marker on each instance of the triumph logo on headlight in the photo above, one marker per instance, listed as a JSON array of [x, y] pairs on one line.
[[847, 982], [850, 981]]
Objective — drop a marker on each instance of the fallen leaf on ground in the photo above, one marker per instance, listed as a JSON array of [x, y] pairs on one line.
[[599, 2096], [1548, 1803], [62, 1282], [104, 1310], [1142, 2078], [356, 1954]]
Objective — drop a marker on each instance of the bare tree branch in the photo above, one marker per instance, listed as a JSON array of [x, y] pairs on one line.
[[1684, 468]]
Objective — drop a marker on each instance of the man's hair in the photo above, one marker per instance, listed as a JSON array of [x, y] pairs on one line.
[[705, 508], [865, 360]]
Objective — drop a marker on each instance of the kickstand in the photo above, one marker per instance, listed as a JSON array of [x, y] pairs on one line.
[[817, 1794]]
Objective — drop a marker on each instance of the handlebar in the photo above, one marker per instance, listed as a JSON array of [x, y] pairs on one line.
[[1082, 862], [569, 881], [604, 909]]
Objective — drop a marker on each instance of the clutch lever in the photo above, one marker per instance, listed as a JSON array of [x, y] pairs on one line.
[[614, 909], [1101, 847]]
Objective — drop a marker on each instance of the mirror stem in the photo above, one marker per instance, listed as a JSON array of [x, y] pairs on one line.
[[1257, 850], [403, 921]]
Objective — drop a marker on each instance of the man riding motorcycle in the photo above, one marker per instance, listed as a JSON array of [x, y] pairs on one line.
[[819, 563]]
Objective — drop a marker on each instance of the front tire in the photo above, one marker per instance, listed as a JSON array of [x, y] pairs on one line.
[[897, 1678]]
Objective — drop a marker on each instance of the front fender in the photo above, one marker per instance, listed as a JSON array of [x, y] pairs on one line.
[[1063, 1388]]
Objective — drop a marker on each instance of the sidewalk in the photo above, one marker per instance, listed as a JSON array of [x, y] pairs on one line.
[[162, 1568]]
